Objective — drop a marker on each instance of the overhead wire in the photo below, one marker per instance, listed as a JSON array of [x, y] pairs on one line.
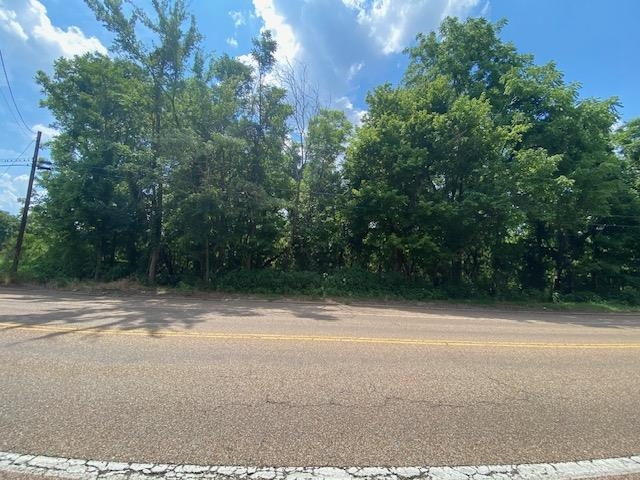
[[115, 173], [15, 104], [121, 175], [18, 159], [11, 110]]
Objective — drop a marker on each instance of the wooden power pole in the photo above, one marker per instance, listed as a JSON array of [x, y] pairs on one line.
[[25, 211]]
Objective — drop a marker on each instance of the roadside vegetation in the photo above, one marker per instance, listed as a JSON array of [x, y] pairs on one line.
[[481, 175]]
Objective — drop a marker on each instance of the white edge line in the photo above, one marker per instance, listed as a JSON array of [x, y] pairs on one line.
[[77, 469]]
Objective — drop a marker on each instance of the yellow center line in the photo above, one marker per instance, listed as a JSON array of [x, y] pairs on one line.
[[309, 338]]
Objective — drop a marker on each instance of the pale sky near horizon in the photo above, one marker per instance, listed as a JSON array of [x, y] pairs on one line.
[[350, 46]]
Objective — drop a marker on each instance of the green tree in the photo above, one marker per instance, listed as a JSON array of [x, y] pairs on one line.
[[165, 58], [425, 173], [93, 195], [322, 193], [227, 193], [481, 172], [261, 196], [202, 187], [481, 165], [627, 141], [8, 228]]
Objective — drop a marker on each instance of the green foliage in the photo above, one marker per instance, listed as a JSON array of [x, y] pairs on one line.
[[484, 170], [8, 228], [482, 174], [95, 194], [339, 283], [321, 239]]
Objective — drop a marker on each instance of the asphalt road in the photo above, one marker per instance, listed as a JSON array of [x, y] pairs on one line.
[[251, 382]]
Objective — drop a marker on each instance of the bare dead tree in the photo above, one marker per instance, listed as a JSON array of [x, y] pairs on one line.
[[304, 99]]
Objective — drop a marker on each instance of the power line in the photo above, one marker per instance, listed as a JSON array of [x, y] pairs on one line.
[[11, 93], [117, 174], [13, 164], [11, 110], [23, 151]]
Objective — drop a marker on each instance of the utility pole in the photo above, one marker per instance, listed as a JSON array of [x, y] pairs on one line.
[[25, 211]]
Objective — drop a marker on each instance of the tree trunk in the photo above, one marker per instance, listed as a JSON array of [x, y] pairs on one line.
[[156, 240], [98, 270], [156, 227], [456, 268], [207, 264], [153, 263], [295, 218], [563, 271]]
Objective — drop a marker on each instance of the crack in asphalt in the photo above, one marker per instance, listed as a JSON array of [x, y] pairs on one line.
[[79, 469], [387, 402]]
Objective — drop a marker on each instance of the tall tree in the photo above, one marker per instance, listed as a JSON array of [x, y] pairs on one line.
[[458, 158], [303, 97], [321, 236], [93, 195], [165, 60], [261, 197]]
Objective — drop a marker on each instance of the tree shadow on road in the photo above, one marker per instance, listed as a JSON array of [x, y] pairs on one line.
[[84, 313], [529, 315], [154, 314]]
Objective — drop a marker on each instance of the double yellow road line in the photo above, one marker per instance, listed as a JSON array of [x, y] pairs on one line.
[[142, 332]]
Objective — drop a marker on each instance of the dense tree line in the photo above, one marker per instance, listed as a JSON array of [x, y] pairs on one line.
[[481, 172]]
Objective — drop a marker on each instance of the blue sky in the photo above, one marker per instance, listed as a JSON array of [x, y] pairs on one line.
[[349, 47]]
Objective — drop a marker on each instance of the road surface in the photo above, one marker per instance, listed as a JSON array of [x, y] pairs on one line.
[[228, 381]]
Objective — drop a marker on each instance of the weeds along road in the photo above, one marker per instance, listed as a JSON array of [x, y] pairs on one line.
[[232, 381]]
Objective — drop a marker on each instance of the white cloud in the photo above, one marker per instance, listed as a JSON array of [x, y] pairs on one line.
[[48, 133], [352, 45], [12, 190], [30, 42], [232, 42], [270, 79], [354, 69], [393, 24], [247, 60], [10, 24], [355, 4], [617, 125], [288, 46], [355, 115], [238, 18], [28, 20], [486, 9]]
